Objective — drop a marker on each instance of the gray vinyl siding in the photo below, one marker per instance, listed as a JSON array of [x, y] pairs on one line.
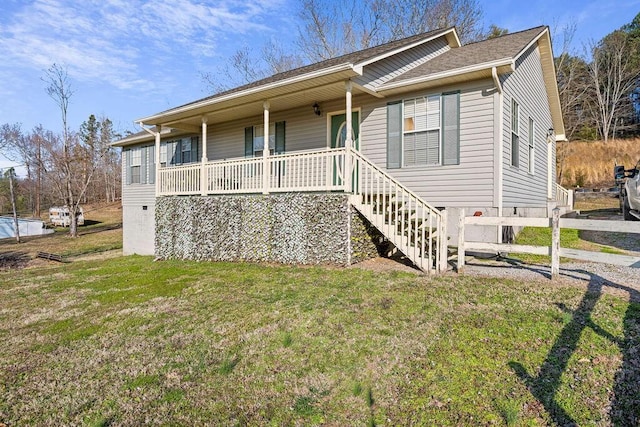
[[386, 69], [469, 183], [138, 233], [526, 86], [304, 131]]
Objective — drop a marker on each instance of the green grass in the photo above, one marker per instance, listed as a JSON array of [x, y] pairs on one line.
[[127, 341], [569, 238]]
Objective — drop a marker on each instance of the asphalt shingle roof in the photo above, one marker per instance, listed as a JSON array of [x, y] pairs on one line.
[[503, 47], [350, 58]]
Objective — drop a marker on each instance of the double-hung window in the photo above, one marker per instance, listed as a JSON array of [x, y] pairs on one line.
[[135, 166], [423, 131], [515, 133]]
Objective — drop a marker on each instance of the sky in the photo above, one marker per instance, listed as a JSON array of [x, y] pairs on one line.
[[128, 59]]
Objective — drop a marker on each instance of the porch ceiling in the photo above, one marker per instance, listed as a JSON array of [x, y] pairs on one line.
[[299, 94]]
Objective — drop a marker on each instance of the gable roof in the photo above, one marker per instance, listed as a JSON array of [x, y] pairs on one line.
[[498, 50], [352, 61], [457, 64]]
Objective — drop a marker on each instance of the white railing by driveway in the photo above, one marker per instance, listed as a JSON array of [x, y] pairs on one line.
[[298, 171], [564, 197], [553, 249]]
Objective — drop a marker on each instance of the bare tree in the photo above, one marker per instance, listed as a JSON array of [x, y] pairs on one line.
[[72, 162], [330, 28], [614, 74]]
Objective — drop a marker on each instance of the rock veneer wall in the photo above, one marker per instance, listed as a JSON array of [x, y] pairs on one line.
[[288, 228]]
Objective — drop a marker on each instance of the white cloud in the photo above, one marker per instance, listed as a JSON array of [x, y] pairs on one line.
[[112, 41]]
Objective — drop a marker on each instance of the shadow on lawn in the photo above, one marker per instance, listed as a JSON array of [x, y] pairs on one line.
[[625, 403]]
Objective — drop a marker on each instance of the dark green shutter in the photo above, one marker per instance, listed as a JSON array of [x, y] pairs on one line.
[[152, 164], [248, 141], [127, 162], [280, 138], [451, 128], [394, 135], [143, 165]]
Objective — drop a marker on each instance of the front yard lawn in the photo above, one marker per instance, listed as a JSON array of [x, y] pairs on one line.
[[129, 341]]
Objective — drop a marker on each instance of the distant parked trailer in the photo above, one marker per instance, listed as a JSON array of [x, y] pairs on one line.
[[60, 216]]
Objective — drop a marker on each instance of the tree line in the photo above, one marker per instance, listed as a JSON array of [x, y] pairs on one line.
[[67, 168], [599, 88]]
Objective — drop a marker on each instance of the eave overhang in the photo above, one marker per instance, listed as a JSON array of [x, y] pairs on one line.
[[458, 75], [253, 95]]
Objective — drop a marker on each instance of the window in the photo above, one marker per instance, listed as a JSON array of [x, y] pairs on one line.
[[258, 139], [532, 153], [423, 131], [179, 151], [254, 139], [515, 138], [135, 165], [140, 165]]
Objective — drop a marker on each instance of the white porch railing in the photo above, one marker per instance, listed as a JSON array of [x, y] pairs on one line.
[[564, 197], [297, 171], [234, 176], [416, 228], [179, 180]]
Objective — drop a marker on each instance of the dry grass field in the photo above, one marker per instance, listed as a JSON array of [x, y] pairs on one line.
[[590, 164]]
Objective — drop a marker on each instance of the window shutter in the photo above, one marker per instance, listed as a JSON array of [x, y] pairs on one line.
[[451, 128], [394, 135], [280, 138], [152, 164], [143, 165], [248, 141], [127, 162]]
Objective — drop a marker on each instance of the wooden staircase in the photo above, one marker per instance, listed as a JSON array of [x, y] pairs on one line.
[[415, 228]]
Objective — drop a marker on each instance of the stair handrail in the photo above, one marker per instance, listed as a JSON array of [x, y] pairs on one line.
[[360, 157]]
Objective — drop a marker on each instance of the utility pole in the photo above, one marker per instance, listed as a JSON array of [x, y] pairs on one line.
[[11, 173]]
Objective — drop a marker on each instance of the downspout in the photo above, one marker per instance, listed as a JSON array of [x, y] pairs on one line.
[[156, 135], [496, 81]]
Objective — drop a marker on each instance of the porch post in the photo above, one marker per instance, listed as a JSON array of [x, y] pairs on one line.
[[265, 150], [157, 159], [348, 143], [203, 168]]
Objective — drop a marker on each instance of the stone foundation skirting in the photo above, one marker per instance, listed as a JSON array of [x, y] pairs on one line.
[[288, 228]]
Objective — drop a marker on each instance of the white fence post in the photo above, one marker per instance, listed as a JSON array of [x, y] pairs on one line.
[[461, 241], [443, 242], [555, 244]]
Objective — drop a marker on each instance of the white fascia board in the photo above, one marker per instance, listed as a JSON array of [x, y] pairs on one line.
[[130, 140], [253, 90], [362, 64], [531, 43], [450, 73]]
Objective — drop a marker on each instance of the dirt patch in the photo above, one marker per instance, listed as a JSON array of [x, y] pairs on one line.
[[14, 259], [381, 264]]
